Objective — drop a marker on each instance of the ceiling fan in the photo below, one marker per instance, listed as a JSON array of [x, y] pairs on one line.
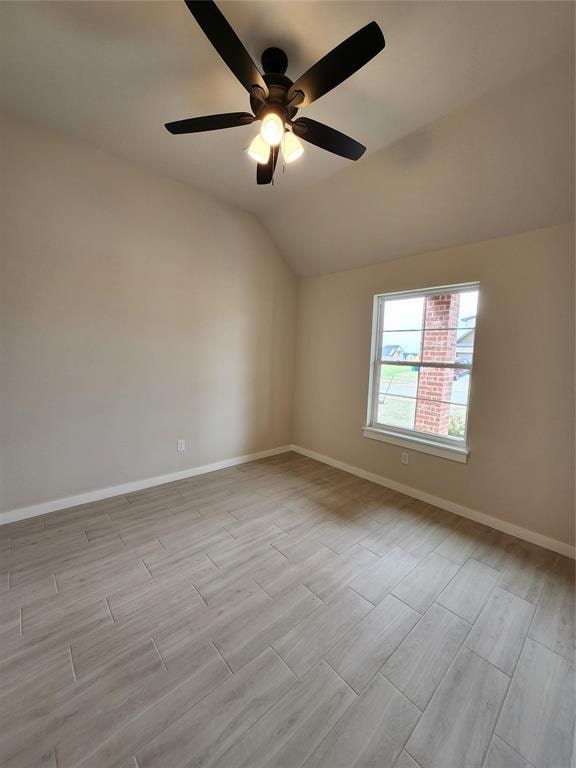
[[274, 98]]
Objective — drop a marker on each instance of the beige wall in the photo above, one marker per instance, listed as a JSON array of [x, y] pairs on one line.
[[521, 422], [134, 312]]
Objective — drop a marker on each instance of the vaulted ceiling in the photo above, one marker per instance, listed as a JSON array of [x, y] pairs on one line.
[[467, 114]]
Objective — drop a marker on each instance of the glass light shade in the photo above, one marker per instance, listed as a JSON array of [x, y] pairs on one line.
[[292, 147], [272, 129], [259, 150]]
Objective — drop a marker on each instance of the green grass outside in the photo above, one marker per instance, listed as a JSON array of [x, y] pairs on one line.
[[400, 412], [402, 372]]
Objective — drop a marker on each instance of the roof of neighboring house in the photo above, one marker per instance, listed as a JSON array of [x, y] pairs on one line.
[[467, 336], [390, 349]]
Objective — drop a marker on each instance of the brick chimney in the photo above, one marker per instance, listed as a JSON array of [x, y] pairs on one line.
[[439, 345]]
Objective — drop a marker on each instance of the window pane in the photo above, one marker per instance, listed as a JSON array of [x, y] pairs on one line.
[[448, 346], [448, 385], [468, 309], [403, 314], [396, 411], [398, 380], [465, 345], [401, 345], [451, 310], [439, 346], [441, 311], [439, 418], [461, 386], [457, 421]]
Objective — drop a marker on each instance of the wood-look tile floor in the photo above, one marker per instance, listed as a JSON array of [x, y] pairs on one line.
[[281, 614]]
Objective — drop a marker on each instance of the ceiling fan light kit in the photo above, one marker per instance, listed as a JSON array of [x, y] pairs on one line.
[[274, 98], [259, 149], [292, 147], [272, 129]]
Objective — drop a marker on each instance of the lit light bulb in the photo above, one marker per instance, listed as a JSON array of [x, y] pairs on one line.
[[272, 129], [292, 147], [259, 150]]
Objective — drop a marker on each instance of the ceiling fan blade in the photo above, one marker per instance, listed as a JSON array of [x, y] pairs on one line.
[[210, 122], [328, 138], [339, 64], [225, 40], [265, 173]]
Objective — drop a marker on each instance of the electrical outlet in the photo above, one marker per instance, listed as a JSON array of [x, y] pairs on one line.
[[181, 445], [404, 457]]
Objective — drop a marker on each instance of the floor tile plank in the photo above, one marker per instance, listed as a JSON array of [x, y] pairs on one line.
[[312, 638], [359, 655], [421, 660], [499, 633], [376, 581], [405, 761], [464, 540], [198, 736], [186, 686], [469, 590], [527, 570], [279, 578], [241, 644], [436, 527], [456, 728], [290, 731], [423, 585], [554, 621], [500, 755], [331, 578], [537, 718], [393, 532], [371, 732], [495, 549]]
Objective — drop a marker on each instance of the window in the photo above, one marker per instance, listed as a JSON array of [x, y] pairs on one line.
[[422, 355]]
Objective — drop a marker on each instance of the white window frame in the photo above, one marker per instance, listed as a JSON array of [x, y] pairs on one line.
[[453, 448]]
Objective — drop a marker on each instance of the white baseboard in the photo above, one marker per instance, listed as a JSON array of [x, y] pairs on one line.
[[23, 513], [458, 509]]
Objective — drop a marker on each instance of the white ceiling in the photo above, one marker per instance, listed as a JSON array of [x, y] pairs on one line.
[[112, 73]]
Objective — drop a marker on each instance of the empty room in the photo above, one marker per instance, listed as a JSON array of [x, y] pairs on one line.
[[287, 392]]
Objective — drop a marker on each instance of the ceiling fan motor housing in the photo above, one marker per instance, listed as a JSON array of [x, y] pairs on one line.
[[274, 60], [274, 63]]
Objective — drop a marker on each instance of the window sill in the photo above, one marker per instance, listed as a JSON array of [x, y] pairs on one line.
[[422, 444]]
